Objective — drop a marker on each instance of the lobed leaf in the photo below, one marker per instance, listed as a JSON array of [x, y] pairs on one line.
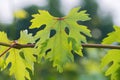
[[113, 56], [113, 36], [61, 36], [19, 60]]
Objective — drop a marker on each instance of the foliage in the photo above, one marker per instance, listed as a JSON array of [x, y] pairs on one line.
[[19, 60], [66, 40], [113, 36], [67, 36], [113, 56], [58, 41]]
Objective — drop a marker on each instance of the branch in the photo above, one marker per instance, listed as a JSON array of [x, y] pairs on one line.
[[7, 49], [5, 44], [100, 46], [19, 46]]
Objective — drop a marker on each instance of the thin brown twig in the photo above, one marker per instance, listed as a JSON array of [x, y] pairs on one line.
[[7, 49], [19, 46], [100, 46], [5, 44]]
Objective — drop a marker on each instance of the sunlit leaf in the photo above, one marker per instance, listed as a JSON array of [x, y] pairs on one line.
[[61, 36], [113, 36], [19, 60], [113, 56]]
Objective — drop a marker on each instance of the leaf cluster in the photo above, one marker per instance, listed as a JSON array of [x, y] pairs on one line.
[[57, 42], [113, 56], [19, 60]]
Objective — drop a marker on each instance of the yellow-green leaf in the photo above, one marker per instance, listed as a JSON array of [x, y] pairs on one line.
[[113, 36], [3, 37], [19, 60], [18, 65], [61, 36], [113, 56]]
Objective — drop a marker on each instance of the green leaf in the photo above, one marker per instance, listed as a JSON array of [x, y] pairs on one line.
[[2, 62], [19, 60], [61, 36], [113, 36], [3, 38], [76, 15], [113, 56], [25, 38], [18, 65]]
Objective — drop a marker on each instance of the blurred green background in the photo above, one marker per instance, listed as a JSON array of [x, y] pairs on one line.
[[84, 68]]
